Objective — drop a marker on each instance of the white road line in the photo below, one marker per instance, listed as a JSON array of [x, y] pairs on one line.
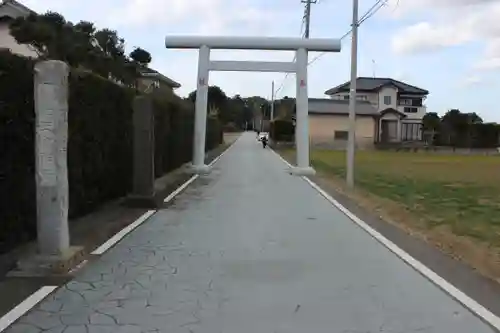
[[43, 292], [79, 266], [447, 287], [25, 306], [194, 177], [122, 233], [180, 189], [225, 151]]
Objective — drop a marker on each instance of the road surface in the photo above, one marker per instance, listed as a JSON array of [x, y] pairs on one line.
[[249, 249]]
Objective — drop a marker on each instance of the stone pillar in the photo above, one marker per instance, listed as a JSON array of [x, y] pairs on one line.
[[302, 118], [51, 109], [200, 122], [144, 153]]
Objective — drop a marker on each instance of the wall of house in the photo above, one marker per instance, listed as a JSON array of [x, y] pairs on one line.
[[387, 91], [370, 97], [422, 110], [322, 131], [8, 42], [377, 100]]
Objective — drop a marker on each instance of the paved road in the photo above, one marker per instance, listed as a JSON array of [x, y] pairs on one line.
[[249, 249]]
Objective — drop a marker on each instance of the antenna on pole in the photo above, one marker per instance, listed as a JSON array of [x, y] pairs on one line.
[[374, 67]]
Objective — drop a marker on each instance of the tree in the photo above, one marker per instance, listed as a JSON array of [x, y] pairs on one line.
[[217, 98], [43, 32], [457, 127], [431, 121], [141, 56]]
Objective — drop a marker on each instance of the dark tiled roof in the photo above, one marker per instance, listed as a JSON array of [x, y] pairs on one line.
[[373, 84], [149, 72], [339, 107]]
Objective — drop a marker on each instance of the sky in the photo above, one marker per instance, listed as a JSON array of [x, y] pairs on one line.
[[449, 47]]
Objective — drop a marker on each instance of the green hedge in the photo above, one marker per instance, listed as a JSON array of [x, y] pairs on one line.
[[99, 144], [282, 130]]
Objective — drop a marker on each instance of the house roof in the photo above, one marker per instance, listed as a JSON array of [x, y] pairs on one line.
[[374, 84], [391, 110], [149, 72], [339, 107], [14, 9]]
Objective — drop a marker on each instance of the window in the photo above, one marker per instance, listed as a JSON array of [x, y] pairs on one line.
[[405, 102], [387, 100], [410, 110], [411, 131], [341, 135], [358, 97]]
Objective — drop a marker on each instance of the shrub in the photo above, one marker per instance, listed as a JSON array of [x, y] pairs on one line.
[[282, 130], [99, 142], [17, 160]]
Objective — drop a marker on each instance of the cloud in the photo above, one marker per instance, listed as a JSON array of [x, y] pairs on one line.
[[424, 37], [471, 81], [457, 24], [144, 12], [207, 17], [400, 8]]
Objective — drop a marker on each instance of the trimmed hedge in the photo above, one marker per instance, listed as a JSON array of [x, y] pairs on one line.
[[99, 144], [282, 130]]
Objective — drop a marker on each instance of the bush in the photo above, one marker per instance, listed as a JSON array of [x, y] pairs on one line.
[[100, 144], [17, 160], [282, 130], [99, 141]]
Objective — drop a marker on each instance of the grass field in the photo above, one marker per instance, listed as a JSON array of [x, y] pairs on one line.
[[459, 194]]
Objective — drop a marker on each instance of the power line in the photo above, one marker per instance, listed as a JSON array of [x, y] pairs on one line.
[[368, 14]]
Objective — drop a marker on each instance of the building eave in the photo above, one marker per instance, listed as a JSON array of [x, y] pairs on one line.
[[162, 78]]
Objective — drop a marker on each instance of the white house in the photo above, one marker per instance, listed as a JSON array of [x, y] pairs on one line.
[[10, 10], [388, 110]]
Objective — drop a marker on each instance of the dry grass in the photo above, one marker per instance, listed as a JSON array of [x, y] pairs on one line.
[[451, 201]]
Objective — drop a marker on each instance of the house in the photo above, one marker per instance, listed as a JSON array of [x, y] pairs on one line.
[[387, 111], [12, 9], [9, 11], [154, 79]]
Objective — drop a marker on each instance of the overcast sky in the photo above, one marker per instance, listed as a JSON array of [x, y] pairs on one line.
[[449, 47]]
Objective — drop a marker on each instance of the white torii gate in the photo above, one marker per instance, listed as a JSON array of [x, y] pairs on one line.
[[205, 65]]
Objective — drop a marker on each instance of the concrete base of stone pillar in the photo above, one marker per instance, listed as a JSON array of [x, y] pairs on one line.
[[199, 169], [37, 265], [308, 171]]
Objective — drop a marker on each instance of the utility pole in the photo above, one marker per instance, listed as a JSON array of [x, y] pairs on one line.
[[307, 16], [272, 101], [352, 97]]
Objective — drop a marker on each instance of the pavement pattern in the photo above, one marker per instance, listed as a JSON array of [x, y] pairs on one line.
[[247, 249]]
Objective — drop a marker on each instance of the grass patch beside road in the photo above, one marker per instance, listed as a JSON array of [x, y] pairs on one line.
[[452, 200]]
